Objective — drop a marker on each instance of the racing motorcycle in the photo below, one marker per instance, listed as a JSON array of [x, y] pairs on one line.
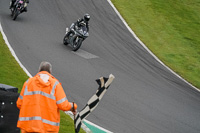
[[17, 8], [75, 36]]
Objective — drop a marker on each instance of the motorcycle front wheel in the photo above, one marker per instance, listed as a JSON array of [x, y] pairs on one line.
[[16, 13], [76, 44]]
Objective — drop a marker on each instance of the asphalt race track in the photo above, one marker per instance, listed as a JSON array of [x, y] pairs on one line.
[[145, 97]]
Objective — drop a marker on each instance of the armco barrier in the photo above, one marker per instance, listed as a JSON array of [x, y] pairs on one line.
[[8, 110]]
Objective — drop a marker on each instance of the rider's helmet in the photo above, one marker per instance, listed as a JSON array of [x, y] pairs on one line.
[[86, 17]]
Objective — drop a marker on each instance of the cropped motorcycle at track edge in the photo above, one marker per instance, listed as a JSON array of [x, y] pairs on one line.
[[17, 8]]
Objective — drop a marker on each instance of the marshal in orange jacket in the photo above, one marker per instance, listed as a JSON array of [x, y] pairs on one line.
[[39, 103]]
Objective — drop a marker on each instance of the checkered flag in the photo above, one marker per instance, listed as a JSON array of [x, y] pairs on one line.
[[104, 84]]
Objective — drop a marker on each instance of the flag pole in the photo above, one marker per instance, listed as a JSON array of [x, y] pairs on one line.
[[73, 110]]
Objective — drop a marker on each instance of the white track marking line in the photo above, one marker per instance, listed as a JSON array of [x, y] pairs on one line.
[[13, 52], [90, 123]]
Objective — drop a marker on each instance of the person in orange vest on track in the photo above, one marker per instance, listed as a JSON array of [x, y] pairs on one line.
[[40, 100]]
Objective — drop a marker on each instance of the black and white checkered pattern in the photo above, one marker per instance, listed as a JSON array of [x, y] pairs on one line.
[[104, 84]]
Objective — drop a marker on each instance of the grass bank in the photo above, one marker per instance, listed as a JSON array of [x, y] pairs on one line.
[[12, 74], [170, 29]]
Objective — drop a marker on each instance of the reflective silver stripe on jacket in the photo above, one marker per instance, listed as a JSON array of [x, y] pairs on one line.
[[72, 105], [53, 89], [62, 100], [41, 93], [26, 92], [21, 97], [39, 118]]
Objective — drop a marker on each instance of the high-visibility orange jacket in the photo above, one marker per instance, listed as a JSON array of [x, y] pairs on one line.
[[39, 104]]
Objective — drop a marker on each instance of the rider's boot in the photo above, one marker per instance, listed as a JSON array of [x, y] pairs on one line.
[[69, 32], [11, 5], [25, 10]]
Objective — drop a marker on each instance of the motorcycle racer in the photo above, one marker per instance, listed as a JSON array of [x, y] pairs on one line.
[[85, 20], [12, 3]]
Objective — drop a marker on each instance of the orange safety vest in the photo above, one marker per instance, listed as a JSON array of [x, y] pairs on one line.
[[39, 104]]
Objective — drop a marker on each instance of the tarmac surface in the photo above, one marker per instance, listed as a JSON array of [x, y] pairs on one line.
[[145, 97]]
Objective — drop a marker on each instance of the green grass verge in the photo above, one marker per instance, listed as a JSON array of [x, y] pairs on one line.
[[10, 71], [170, 29], [66, 124], [12, 74]]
